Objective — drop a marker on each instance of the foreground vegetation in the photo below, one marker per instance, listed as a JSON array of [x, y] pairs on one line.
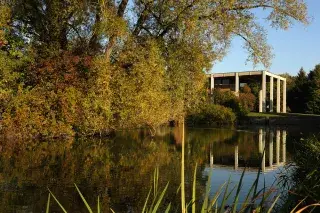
[[261, 200], [304, 176]]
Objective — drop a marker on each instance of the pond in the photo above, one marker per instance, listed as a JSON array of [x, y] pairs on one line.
[[120, 169]]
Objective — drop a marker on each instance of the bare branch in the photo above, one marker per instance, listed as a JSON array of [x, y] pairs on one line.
[[112, 40], [142, 18], [174, 21]]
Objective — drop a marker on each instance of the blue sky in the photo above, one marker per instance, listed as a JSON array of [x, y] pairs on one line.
[[294, 48]]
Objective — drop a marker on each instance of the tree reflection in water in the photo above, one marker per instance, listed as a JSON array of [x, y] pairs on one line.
[[120, 169]]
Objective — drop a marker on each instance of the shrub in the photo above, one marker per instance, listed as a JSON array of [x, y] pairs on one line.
[[307, 174], [63, 95], [223, 97], [247, 99], [212, 114], [139, 88], [302, 178], [230, 100]]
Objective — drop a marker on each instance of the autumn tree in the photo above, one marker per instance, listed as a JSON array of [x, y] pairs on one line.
[[247, 99], [140, 94], [155, 51], [4, 16], [208, 25]]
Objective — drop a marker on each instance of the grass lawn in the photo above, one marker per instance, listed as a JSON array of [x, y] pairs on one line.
[[268, 114], [257, 114]]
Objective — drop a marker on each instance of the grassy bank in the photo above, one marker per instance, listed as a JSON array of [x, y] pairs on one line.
[[258, 114], [270, 114], [283, 119]]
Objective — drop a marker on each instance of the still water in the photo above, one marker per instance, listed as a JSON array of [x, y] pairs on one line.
[[120, 170]]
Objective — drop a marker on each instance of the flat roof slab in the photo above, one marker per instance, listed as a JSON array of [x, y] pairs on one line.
[[245, 73]]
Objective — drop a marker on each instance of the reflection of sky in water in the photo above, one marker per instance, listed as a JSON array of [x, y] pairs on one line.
[[221, 175], [270, 145]]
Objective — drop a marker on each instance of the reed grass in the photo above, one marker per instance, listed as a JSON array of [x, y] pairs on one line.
[[153, 202], [183, 195]]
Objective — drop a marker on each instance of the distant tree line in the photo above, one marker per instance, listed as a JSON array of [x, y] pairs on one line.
[[303, 91]]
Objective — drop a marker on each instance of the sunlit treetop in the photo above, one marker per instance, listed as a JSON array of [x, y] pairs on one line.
[[4, 16], [103, 26]]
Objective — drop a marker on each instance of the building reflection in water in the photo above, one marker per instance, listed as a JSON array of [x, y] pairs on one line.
[[271, 149], [276, 156]]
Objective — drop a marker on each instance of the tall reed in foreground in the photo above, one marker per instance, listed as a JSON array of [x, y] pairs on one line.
[[183, 195], [154, 199]]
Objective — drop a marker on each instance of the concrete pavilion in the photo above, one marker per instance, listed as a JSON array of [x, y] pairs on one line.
[[233, 80]]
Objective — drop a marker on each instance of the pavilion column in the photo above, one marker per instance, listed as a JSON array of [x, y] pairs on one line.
[[237, 84], [211, 83], [260, 101], [264, 91], [284, 97], [271, 94], [236, 157], [278, 95]]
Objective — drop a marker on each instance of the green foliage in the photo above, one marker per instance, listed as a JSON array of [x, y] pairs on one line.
[[185, 78], [247, 99], [298, 92], [140, 96], [151, 206], [223, 97], [8, 80], [71, 24], [255, 87], [29, 114], [66, 97], [313, 104], [307, 173], [228, 99], [4, 16], [291, 80], [93, 66], [304, 177], [304, 92], [212, 114], [49, 24]]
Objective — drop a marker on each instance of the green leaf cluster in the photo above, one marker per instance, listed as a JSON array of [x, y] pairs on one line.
[[304, 92]]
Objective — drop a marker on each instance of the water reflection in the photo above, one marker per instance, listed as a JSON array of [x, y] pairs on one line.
[[250, 155], [120, 169], [253, 150]]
